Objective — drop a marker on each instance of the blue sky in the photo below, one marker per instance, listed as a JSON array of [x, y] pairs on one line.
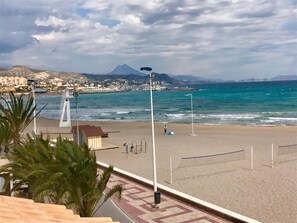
[[228, 39]]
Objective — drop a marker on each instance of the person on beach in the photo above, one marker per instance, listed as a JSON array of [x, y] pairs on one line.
[[170, 133], [165, 129], [126, 147]]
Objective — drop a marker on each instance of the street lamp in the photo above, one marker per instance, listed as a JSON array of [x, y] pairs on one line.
[[157, 195], [192, 134], [75, 95], [32, 84]]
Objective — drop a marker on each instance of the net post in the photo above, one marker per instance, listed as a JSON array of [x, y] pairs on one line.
[[170, 166], [272, 152], [136, 148], [252, 158]]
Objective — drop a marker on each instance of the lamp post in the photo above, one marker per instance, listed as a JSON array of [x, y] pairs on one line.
[[192, 134], [157, 195], [32, 84], [75, 95]]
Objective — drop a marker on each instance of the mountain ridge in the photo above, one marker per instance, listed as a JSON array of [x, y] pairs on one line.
[[123, 71]]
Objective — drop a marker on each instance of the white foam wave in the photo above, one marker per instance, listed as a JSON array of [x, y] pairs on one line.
[[227, 117], [105, 114], [176, 116], [122, 112], [282, 119]]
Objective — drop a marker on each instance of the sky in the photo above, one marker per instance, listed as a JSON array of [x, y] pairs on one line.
[[228, 39]]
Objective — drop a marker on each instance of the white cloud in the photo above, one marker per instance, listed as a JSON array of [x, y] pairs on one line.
[[49, 36], [96, 5], [50, 21], [209, 38]]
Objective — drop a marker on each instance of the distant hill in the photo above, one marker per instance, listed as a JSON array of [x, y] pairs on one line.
[[120, 72], [284, 78], [165, 77], [193, 79], [17, 71], [42, 75], [102, 77], [130, 74], [125, 70], [131, 77]]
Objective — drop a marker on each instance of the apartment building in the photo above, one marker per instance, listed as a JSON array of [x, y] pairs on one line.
[[10, 81]]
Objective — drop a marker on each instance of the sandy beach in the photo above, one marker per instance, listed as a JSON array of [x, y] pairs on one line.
[[265, 194]]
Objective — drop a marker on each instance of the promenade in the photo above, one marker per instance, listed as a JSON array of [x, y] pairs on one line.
[[137, 203]]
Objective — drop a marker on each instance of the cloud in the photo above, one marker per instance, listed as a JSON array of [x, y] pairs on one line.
[[206, 38]]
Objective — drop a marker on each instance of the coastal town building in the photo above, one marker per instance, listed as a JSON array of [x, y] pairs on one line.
[[11, 81], [52, 82]]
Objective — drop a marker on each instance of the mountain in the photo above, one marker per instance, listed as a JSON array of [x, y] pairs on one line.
[[165, 78], [193, 79], [131, 78], [131, 75], [114, 77], [125, 70], [16, 71], [284, 78], [121, 72]]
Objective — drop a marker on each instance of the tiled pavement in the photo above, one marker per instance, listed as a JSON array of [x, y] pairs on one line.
[[137, 202]]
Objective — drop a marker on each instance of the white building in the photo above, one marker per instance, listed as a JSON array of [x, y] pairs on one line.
[[10, 81]]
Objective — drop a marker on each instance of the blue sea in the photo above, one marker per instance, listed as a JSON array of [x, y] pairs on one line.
[[257, 103]]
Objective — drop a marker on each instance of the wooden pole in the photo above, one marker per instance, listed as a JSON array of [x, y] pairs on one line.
[[272, 151], [170, 164], [252, 158]]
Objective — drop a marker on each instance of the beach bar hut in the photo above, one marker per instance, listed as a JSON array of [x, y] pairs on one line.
[[91, 135]]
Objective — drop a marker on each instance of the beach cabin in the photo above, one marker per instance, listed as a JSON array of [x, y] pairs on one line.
[[91, 135]]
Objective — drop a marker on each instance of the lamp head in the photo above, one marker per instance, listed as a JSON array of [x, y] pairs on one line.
[[75, 94], [30, 82], [148, 69], [188, 94]]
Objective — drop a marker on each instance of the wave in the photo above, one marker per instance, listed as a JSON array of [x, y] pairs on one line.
[[123, 112], [176, 116], [283, 118], [244, 116]]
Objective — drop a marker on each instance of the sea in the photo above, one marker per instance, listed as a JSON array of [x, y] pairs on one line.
[[248, 103]]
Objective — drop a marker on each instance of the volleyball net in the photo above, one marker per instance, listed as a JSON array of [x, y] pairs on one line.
[[212, 159], [282, 150]]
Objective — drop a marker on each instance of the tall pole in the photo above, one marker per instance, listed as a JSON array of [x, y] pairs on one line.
[[32, 84], [75, 94], [77, 133], [156, 193], [153, 134], [34, 112], [192, 114]]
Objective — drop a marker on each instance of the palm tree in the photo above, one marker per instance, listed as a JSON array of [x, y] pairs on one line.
[[64, 174], [18, 113], [5, 136]]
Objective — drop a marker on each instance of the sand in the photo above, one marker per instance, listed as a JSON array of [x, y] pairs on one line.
[[265, 194]]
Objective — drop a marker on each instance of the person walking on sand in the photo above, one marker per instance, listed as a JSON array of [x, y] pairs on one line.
[[126, 147], [165, 129]]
